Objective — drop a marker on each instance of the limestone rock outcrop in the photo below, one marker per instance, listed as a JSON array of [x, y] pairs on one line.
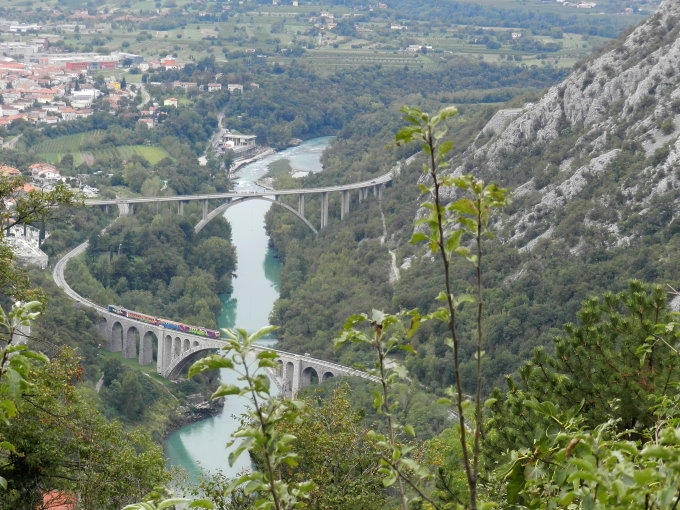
[[611, 126]]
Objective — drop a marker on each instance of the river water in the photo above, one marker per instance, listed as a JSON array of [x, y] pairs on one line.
[[202, 445]]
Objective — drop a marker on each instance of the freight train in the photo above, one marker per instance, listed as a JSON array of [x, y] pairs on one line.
[[164, 323]]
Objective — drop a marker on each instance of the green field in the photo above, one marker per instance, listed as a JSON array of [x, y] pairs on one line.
[[274, 29], [54, 149], [67, 143]]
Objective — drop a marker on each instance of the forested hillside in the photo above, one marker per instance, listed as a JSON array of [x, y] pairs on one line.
[[591, 168]]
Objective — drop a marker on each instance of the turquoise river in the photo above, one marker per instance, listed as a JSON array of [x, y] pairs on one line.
[[202, 445]]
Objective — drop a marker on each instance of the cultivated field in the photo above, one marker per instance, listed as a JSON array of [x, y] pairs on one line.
[[82, 147]]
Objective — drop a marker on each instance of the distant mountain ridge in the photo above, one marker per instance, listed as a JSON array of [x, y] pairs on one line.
[[600, 146]]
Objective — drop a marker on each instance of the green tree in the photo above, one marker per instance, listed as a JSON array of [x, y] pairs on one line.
[[32, 207], [216, 256], [443, 229], [16, 363], [602, 366], [62, 442], [612, 380], [336, 454], [113, 368]]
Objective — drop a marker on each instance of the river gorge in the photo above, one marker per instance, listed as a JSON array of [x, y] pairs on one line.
[[201, 445]]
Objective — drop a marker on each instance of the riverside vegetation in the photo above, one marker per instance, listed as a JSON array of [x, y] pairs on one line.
[[526, 312]]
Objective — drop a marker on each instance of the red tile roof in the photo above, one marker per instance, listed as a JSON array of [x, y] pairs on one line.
[[57, 500]]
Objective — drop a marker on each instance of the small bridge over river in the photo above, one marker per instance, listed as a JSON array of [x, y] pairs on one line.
[[126, 206]]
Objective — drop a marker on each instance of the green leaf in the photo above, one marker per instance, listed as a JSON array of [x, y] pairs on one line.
[[307, 486], [516, 482], [645, 476], [389, 480], [213, 362], [401, 371], [7, 446], [658, 452], [202, 503], [240, 448], [463, 299], [463, 206], [140, 506], [39, 356], [407, 348], [580, 476], [419, 237], [226, 389], [453, 242], [262, 332], [377, 316], [170, 503], [267, 355]]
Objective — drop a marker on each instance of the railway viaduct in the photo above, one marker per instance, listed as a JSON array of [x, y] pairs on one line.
[[173, 351]]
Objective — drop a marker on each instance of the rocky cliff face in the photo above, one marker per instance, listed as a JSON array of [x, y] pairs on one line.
[[598, 148]]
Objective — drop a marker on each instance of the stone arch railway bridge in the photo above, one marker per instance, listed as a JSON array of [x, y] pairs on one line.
[[126, 206], [174, 350]]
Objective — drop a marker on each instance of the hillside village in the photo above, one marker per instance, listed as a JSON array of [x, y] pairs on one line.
[[54, 89], [60, 87]]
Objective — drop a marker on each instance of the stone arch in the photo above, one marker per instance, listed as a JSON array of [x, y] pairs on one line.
[[288, 376], [308, 377], [167, 350], [220, 209], [181, 364], [116, 343], [148, 348], [130, 342], [176, 347], [326, 376], [186, 345]]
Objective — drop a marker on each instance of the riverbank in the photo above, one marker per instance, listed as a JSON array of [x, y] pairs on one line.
[[196, 408], [263, 153]]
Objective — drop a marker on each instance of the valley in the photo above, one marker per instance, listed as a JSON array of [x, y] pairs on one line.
[[572, 296]]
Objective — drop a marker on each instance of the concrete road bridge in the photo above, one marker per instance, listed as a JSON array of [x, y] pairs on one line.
[[173, 351], [374, 186]]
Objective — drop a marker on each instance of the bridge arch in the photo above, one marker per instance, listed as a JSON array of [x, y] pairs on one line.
[[130, 341], [220, 209], [180, 365], [148, 348], [167, 350], [288, 376], [309, 377], [116, 339]]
